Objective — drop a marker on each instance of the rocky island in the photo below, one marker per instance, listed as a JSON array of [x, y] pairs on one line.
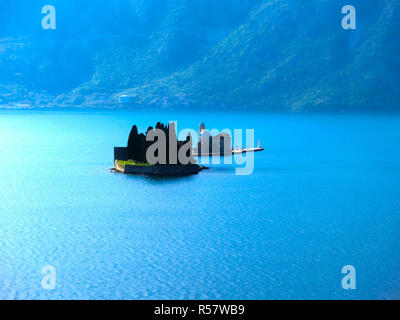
[[158, 152]]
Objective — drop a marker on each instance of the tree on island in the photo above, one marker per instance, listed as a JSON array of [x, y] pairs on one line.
[[169, 150]]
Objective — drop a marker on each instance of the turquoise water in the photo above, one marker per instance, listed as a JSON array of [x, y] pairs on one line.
[[324, 194]]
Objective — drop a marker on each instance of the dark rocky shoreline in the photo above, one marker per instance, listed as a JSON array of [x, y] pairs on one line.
[[159, 170]]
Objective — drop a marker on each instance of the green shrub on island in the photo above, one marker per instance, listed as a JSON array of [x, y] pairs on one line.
[[131, 163]]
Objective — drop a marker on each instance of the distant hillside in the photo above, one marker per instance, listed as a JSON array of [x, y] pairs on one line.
[[227, 54]]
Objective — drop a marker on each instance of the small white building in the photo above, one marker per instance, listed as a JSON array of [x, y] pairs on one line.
[[220, 144]]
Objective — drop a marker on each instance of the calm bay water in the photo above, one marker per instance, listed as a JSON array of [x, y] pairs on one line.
[[324, 194]]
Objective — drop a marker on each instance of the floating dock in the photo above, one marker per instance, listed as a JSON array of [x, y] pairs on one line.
[[239, 151]]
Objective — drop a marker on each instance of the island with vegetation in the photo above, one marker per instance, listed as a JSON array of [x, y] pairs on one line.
[[158, 152]]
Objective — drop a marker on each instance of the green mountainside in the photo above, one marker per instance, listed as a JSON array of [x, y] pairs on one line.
[[257, 54]]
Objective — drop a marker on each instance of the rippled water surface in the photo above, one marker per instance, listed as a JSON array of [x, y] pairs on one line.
[[324, 194]]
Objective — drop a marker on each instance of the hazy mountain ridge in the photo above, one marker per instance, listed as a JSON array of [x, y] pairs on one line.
[[270, 55]]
